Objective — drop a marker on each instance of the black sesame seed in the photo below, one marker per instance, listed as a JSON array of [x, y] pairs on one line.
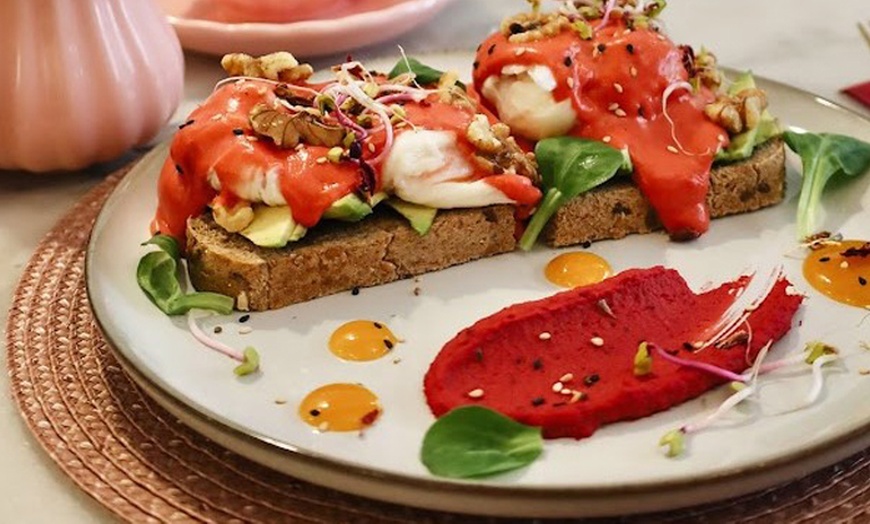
[[688, 346], [825, 259], [591, 379], [218, 330], [586, 245], [388, 343], [568, 61], [238, 132], [182, 126], [476, 64], [641, 113], [862, 281], [178, 168], [538, 401], [478, 355], [537, 364], [491, 49], [354, 291], [378, 325], [601, 48], [314, 412], [244, 318], [630, 49], [516, 28]]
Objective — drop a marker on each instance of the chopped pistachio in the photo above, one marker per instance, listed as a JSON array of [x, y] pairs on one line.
[[816, 350], [583, 29], [654, 8], [371, 89], [334, 155], [675, 441], [324, 103], [642, 360], [349, 139]]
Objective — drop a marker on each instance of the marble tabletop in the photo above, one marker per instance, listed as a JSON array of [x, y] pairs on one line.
[[813, 44]]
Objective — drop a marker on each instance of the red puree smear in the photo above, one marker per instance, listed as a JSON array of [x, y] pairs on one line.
[[641, 64], [506, 356], [218, 140]]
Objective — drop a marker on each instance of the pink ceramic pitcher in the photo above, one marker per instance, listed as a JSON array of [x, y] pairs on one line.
[[83, 81]]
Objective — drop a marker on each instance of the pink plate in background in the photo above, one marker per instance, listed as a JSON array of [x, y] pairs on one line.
[[306, 38]]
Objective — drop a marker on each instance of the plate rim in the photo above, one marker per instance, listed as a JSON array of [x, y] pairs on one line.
[[820, 455]]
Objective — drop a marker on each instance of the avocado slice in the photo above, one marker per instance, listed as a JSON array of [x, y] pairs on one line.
[[743, 145], [349, 208], [420, 217], [273, 227]]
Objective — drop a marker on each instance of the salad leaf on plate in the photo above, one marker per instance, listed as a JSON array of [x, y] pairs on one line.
[[473, 441], [824, 156], [570, 166], [423, 74], [157, 275]]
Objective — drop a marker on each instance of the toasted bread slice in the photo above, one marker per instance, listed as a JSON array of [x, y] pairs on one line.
[[618, 209], [337, 257]]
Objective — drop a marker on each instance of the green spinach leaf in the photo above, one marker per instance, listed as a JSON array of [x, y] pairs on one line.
[[824, 156], [570, 166], [424, 74], [473, 441], [157, 275]]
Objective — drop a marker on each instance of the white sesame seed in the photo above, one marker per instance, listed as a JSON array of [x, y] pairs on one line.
[[280, 401], [619, 112], [721, 138], [566, 392], [321, 160], [632, 71], [545, 336], [567, 377], [475, 393], [673, 150], [571, 83], [844, 265], [372, 147], [613, 107], [576, 396], [245, 330], [698, 345], [606, 139], [596, 341], [521, 51], [557, 387], [618, 87]]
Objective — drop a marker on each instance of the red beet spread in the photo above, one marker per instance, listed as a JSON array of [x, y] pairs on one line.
[[505, 356], [630, 71]]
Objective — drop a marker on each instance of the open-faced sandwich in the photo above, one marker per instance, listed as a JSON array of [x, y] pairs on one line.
[[603, 70], [275, 182]]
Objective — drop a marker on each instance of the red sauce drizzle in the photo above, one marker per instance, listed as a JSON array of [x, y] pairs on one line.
[[218, 142], [631, 69]]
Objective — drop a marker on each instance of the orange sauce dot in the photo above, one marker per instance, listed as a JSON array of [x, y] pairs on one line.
[[577, 269], [362, 340], [340, 407], [844, 279]]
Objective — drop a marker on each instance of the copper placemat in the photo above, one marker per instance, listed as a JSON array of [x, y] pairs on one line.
[[143, 465]]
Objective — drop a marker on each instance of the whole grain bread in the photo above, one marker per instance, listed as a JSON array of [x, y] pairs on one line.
[[336, 257], [618, 209]]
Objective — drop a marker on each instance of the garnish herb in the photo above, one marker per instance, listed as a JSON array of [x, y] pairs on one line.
[[157, 275], [423, 74], [473, 441], [250, 364], [824, 157], [570, 166]]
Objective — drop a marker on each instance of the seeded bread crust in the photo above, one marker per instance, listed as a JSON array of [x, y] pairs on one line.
[[338, 257], [616, 210]]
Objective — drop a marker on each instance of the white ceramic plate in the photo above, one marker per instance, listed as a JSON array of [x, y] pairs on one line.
[[307, 38], [618, 470]]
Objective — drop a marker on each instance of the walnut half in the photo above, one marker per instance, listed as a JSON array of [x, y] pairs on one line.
[[740, 112], [497, 151], [280, 67]]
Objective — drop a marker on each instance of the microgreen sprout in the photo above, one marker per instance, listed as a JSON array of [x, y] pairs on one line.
[[249, 358], [642, 360]]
